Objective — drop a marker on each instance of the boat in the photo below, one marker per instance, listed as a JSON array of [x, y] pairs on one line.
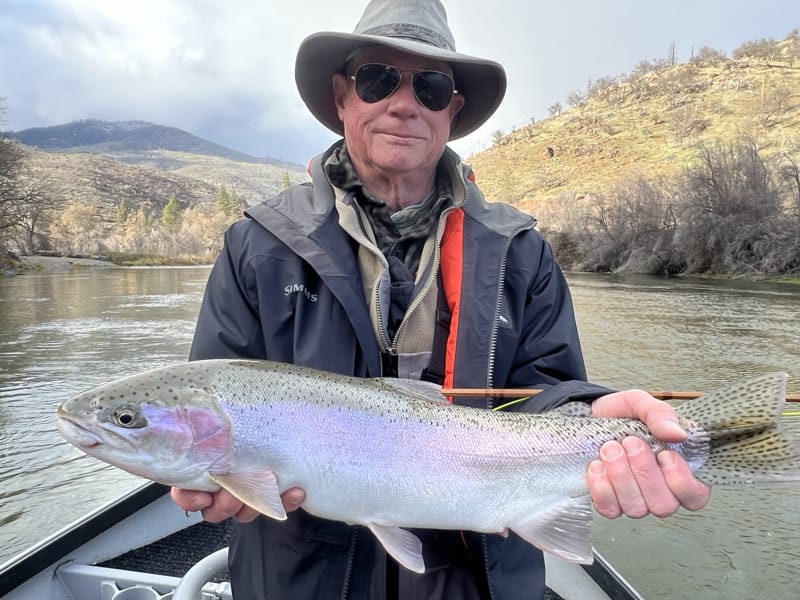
[[142, 546]]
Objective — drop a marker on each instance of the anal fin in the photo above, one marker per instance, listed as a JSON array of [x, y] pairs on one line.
[[402, 545], [564, 530]]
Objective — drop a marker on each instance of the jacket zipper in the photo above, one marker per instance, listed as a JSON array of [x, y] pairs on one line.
[[485, 549], [496, 322], [348, 572], [388, 346]]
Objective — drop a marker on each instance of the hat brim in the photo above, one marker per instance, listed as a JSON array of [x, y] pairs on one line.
[[481, 82]]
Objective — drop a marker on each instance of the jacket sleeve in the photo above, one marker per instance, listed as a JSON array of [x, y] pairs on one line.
[[228, 325], [548, 355], [554, 396]]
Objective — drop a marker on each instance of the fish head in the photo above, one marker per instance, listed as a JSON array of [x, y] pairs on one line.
[[163, 424]]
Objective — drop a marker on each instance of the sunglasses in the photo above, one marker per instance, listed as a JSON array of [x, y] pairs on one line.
[[376, 82]]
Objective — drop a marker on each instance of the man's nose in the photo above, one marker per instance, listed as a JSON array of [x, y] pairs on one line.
[[405, 91]]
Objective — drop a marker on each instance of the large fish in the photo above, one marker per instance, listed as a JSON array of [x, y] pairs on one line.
[[390, 453]]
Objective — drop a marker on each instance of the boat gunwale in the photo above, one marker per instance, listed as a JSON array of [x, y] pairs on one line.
[[55, 547]]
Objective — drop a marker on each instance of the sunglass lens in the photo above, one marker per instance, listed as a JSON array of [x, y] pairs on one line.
[[433, 89], [374, 82]]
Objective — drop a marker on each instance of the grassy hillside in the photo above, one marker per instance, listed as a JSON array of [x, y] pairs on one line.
[[102, 163], [649, 124]]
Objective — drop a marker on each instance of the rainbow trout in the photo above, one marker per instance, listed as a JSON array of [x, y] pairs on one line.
[[391, 454]]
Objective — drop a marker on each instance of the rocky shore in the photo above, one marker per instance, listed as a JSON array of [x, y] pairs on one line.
[[17, 265]]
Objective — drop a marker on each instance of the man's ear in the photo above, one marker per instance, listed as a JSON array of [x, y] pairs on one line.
[[340, 85], [456, 104]]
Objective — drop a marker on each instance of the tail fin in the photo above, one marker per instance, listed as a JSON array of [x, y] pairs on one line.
[[747, 442]]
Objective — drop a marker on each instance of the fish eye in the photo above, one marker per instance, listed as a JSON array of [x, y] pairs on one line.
[[125, 417]]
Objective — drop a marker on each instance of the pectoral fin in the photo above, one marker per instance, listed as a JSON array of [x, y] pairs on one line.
[[401, 545], [258, 489], [565, 530]]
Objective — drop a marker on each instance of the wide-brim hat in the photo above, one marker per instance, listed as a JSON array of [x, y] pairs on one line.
[[416, 27]]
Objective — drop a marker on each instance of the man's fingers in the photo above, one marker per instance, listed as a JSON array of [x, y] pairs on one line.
[[663, 423], [621, 476], [190, 500], [656, 496], [629, 479], [293, 498], [224, 506], [691, 493], [603, 494], [659, 416]]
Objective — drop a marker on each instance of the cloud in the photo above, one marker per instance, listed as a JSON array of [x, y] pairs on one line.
[[225, 71], [201, 66]]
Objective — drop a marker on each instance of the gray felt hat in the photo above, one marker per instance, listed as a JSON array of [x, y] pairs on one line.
[[417, 27]]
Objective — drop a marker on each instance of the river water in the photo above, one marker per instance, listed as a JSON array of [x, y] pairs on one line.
[[61, 333]]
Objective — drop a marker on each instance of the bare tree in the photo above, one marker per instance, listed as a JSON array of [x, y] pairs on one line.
[[575, 98], [763, 49], [707, 55], [789, 174], [731, 202], [672, 53], [10, 163], [37, 205], [11, 158]]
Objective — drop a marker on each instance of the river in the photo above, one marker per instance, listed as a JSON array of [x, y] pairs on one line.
[[63, 332]]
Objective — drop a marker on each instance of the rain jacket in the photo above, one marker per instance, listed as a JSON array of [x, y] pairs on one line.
[[288, 287]]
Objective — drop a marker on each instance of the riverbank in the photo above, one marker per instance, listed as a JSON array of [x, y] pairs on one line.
[[60, 264], [12, 264], [16, 265]]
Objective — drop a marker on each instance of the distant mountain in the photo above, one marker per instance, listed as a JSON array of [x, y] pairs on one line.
[[142, 163], [94, 136]]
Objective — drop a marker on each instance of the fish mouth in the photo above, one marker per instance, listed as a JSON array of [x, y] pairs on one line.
[[76, 434]]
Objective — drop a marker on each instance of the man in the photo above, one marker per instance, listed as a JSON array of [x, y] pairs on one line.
[[391, 263]]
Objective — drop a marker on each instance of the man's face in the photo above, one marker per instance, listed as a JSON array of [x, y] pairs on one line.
[[396, 135]]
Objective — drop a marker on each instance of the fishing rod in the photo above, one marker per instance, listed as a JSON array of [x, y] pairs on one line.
[[518, 392], [523, 393]]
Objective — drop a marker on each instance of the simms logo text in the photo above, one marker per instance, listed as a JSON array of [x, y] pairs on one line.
[[299, 288]]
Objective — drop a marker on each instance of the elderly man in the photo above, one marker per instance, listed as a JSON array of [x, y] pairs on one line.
[[391, 263]]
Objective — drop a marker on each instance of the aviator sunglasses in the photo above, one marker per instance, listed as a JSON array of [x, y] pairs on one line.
[[376, 82]]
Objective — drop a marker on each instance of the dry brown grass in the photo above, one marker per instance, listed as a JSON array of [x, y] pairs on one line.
[[650, 127]]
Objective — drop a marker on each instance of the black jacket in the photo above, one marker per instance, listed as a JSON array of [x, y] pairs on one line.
[[287, 287]]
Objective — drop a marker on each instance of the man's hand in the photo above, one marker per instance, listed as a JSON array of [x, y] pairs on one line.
[[628, 478], [220, 505]]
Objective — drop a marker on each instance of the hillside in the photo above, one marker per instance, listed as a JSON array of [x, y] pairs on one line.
[[103, 163], [649, 124], [104, 182]]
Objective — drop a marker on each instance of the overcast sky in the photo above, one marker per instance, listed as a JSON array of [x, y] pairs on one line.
[[224, 70]]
